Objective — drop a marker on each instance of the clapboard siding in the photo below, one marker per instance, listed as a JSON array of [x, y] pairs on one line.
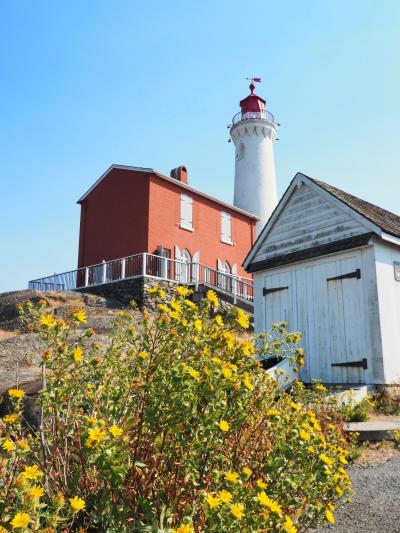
[[308, 220]]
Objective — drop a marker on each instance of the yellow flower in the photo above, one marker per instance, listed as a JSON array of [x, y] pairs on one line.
[[343, 460], [152, 290], [20, 520], [184, 528], [225, 496], [261, 484], [296, 338], [198, 324], [8, 445], [163, 308], [320, 387], [77, 503], [80, 316], [304, 435], [243, 319], [23, 445], [247, 471], [223, 425], [77, 354], [36, 492], [288, 526], [227, 373], [96, 435], [193, 373], [213, 501], [295, 405], [273, 412], [267, 502], [232, 477], [174, 314], [184, 322], [11, 419], [115, 431], [248, 348], [16, 393], [329, 516], [48, 320], [176, 305], [247, 383], [162, 293], [190, 304], [218, 320], [143, 355], [212, 298], [32, 472], [237, 510], [326, 460], [339, 491], [311, 449], [183, 291]]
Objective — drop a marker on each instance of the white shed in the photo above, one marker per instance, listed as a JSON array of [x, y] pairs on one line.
[[328, 263]]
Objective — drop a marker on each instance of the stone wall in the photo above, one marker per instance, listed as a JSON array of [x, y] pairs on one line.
[[127, 290]]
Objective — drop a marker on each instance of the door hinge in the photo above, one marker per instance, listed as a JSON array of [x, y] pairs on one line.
[[276, 289], [356, 274], [357, 364]]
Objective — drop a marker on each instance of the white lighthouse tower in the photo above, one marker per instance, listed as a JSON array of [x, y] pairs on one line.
[[254, 131]]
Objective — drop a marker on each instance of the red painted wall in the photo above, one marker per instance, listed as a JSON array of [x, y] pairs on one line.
[[114, 218], [164, 229], [131, 212]]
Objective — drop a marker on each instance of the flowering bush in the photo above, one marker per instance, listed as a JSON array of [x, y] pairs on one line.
[[173, 426]]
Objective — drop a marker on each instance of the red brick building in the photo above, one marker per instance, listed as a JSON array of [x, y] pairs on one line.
[[132, 210]]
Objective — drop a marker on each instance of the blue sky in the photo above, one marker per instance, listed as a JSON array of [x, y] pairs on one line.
[[87, 84]]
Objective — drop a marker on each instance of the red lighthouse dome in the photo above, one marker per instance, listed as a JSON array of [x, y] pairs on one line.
[[252, 103]]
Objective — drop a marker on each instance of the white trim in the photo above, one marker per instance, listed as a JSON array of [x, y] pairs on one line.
[[390, 238], [171, 180], [296, 182]]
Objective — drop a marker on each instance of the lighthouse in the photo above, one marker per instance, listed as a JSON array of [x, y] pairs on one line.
[[253, 132]]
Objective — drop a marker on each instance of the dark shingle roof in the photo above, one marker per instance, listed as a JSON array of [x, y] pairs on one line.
[[387, 221]]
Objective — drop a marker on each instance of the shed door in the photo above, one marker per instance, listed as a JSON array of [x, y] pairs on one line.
[[344, 302]]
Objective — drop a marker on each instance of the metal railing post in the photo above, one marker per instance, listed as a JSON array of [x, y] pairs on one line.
[[123, 266], [104, 273], [86, 276], [144, 264], [234, 290]]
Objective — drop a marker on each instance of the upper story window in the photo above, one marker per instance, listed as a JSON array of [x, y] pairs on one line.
[[186, 212], [226, 227]]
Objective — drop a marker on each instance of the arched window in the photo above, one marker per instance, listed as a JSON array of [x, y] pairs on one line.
[[225, 280], [186, 260], [242, 151]]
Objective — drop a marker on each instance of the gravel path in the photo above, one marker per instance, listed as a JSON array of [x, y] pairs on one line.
[[376, 502]]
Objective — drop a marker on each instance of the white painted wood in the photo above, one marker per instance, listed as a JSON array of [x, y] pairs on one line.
[[302, 189], [389, 309], [333, 316], [308, 220], [186, 211], [226, 227]]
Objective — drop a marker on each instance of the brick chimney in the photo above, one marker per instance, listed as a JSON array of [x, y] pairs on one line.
[[180, 174]]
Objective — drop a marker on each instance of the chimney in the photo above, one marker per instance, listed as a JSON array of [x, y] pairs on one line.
[[180, 174]]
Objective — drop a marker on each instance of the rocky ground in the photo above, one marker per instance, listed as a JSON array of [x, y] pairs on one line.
[[375, 505], [20, 351]]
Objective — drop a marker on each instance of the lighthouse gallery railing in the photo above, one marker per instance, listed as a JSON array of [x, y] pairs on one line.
[[148, 265]]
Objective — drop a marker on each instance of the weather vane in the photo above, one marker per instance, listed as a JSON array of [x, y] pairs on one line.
[[257, 80]]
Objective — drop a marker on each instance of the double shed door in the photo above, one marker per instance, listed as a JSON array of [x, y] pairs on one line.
[[324, 301]]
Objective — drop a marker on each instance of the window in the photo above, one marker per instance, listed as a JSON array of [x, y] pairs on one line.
[[184, 268], [224, 276], [226, 227], [186, 212]]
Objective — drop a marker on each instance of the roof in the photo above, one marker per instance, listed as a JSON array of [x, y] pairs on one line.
[[385, 220], [171, 180], [381, 222]]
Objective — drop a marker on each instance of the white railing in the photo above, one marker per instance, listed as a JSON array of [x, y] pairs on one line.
[[148, 265]]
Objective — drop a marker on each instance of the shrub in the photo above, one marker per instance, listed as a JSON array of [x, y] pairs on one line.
[[172, 426]]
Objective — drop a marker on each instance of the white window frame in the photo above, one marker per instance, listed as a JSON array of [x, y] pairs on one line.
[[186, 217], [226, 231]]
